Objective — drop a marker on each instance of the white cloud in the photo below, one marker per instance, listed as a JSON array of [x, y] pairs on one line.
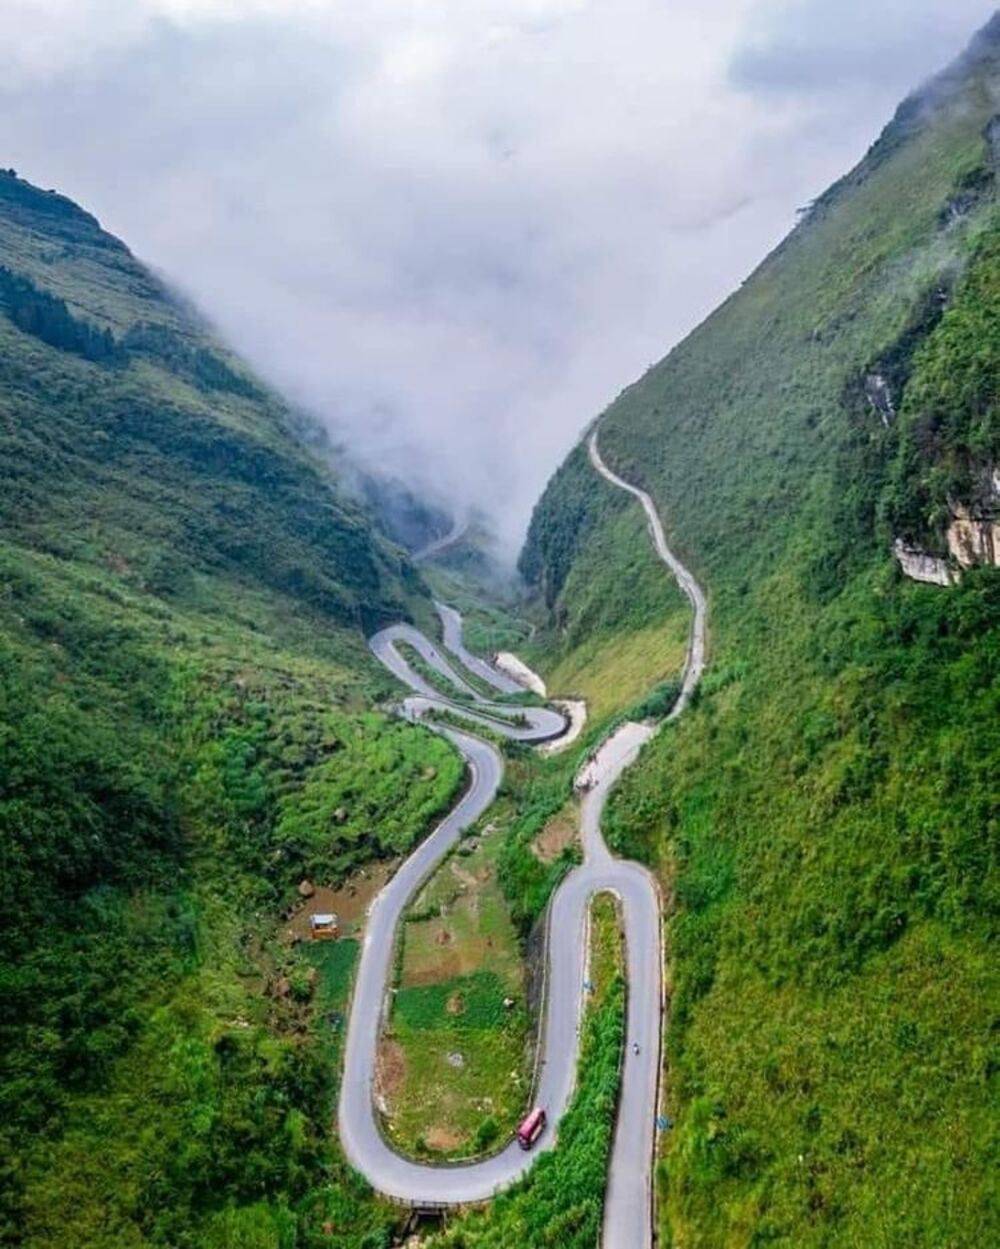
[[456, 228]]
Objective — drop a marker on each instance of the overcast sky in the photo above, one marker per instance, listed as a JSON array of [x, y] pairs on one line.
[[455, 229]]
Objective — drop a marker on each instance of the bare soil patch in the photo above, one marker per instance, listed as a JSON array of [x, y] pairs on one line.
[[349, 903], [575, 709], [452, 961], [561, 831], [444, 1139], [390, 1074]]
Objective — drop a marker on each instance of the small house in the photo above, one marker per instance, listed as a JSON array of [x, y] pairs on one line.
[[324, 927]]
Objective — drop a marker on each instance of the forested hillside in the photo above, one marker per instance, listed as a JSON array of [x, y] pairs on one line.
[[826, 815], [185, 733]]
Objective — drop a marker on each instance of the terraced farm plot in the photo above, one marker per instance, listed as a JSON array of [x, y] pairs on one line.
[[454, 1075]]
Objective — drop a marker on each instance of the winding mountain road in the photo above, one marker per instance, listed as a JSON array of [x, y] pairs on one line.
[[628, 1202], [437, 545], [695, 663]]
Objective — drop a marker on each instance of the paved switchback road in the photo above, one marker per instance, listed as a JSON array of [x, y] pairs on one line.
[[451, 624], [628, 1204]]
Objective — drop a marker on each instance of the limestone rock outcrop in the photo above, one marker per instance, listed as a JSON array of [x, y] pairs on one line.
[[919, 566], [973, 537]]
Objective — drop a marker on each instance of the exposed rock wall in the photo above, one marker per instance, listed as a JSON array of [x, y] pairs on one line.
[[919, 566], [879, 396], [974, 539], [973, 536], [974, 532], [993, 140]]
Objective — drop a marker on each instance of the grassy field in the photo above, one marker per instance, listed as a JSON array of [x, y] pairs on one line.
[[612, 674], [610, 649], [456, 1060]]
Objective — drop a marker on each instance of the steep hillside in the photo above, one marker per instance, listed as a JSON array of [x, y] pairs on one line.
[[826, 816], [185, 733], [130, 435]]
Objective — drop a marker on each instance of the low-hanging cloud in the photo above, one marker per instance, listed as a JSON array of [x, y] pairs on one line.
[[455, 229]]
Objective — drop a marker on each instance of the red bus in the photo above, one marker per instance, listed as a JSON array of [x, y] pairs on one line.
[[532, 1128]]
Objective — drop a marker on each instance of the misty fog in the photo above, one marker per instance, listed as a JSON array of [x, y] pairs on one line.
[[454, 230]]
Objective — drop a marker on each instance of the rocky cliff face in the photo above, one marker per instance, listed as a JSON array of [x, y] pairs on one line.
[[972, 537], [879, 395], [974, 532], [919, 566]]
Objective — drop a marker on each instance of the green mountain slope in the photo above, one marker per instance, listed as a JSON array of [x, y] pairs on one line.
[[185, 733], [826, 815], [129, 434]]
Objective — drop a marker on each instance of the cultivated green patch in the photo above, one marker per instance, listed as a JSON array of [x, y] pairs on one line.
[[463, 1081]]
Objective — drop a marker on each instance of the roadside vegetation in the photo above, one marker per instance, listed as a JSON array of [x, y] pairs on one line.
[[607, 647], [491, 614], [466, 946], [505, 705], [481, 913], [435, 679]]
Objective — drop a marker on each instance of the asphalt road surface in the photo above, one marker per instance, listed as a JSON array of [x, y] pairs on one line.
[[628, 1203], [451, 624]]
